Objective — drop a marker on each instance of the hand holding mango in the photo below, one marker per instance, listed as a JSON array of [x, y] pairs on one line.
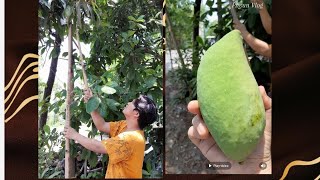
[[232, 108], [201, 137]]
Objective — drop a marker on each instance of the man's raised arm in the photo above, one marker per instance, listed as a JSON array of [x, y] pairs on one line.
[[98, 120]]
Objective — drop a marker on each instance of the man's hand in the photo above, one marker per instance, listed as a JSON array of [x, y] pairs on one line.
[[98, 120], [87, 95], [201, 137], [238, 25], [257, 45], [70, 133], [91, 144]]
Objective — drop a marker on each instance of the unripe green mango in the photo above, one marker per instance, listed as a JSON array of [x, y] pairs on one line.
[[229, 98]]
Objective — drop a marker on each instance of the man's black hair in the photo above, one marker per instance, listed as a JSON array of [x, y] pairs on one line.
[[147, 111]]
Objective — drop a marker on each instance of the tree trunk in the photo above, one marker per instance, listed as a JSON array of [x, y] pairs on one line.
[[175, 42], [69, 161], [50, 82], [196, 21]]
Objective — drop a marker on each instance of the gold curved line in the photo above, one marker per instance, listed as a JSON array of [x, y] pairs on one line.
[[35, 69], [35, 76], [317, 178], [24, 103], [17, 81], [298, 163], [29, 55]]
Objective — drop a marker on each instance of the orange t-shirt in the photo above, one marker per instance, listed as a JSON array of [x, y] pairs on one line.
[[125, 150]]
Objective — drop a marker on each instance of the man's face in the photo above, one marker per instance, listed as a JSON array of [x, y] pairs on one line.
[[129, 109]]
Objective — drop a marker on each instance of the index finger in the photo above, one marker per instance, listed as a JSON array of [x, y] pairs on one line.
[[194, 107]]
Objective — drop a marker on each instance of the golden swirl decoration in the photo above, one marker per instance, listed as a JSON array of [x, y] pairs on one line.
[[24, 58], [35, 76], [24, 103], [31, 77], [19, 78], [299, 163]]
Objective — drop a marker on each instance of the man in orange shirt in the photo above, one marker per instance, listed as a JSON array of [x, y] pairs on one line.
[[126, 144]]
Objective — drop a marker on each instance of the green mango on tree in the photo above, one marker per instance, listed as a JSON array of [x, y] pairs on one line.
[[229, 98]]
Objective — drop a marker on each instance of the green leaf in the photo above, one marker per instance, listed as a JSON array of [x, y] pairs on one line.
[[151, 81], [199, 40], [144, 172], [92, 104], [84, 154], [74, 106], [112, 104], [65, 54], [104, 158], [88, 154], [84, 117], [130, 33], [102, 112], [141, 26], [112, 84], [56, 110], [140, 17], [210, 3], [126, 47], [68, 11], [131, 18], [53, 53], [43, 50], [54, 130], [131, 74], [124, 35], [150, 71], [46, 129], [54, 174], [148, 165], [44, 172], [93, 160], [108, 90]]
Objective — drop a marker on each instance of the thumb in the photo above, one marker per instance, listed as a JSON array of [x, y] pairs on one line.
[[266, 99]]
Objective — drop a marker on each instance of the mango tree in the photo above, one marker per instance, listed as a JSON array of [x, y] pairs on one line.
[[125, 60]]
